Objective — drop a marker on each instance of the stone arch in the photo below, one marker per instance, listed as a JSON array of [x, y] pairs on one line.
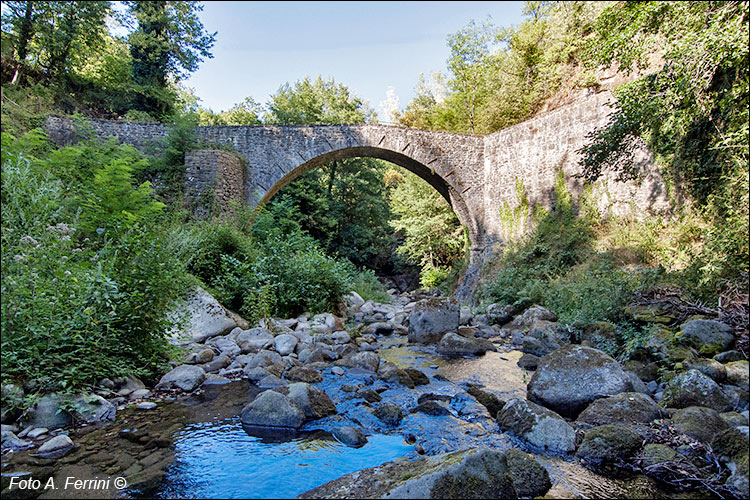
[[448, 192]]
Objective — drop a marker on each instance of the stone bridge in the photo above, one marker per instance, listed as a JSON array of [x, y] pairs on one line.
[[476, 174]]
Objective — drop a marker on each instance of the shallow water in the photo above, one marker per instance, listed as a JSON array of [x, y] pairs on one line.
[[221, 460]]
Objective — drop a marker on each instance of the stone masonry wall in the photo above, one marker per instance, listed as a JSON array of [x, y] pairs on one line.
[[216, 176], [476, 174]]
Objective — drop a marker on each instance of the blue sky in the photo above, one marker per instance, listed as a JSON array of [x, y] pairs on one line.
[[367, 46]]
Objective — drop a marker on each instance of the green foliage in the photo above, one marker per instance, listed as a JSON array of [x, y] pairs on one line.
[[693, 113], [366, 284], [76, 309], [433, 237]]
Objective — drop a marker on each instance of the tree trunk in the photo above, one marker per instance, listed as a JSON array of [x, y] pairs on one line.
[[24, 36]]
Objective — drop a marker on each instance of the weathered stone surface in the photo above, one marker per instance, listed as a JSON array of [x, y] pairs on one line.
[[498, 314], [476, 473], [47, 412], [699, 422], [708, 336], [390, 414], [431, 318], [627, 408], [570, 378], [285, 344], [313, 402], [272, 409], [528, 362], [56, 446], [609, 443], [453, 344], [393, 374], [304, 374], [93, 408], [264, 359], [254, 339], [537, 425], [198, 318], [350, 436], [185, 377], [708, 367], [529, 316], [529, 477], [9, 441], [365, 360], [489, 401], [693, 388], [738, 373]]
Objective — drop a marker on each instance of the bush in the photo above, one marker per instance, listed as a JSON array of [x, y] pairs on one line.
[[366, 284]]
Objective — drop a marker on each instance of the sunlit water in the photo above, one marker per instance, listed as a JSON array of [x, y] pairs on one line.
[[220, 460]]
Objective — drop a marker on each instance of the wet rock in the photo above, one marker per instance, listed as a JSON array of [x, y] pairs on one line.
[[48, 412], [204, 356], [390, 414], [431, 318], [537, 425], [431, 408], [9, 441], [206, 318], [139, 394], [304, 374], [337, 370], [693, 388], [530, 478], [350, 436], [627, 408], [570, 378], [272, 409], [254, 339], [184, 377], [417, 376], [146, 405], [489, 401], [453, 344], [738, 373], [285, 344], [56, 447], [36, 432], [609, 443], [709, 337], [498, 314], [370, 396], [528, 362], [699, 423], [313, 402], [389, 372], [364, 360], [476, 473]]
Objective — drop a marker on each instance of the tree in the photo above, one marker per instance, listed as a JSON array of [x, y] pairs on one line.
[[342, 204], [169, 41]]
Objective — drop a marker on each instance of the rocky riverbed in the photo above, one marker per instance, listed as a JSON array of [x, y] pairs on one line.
[[402, 399]]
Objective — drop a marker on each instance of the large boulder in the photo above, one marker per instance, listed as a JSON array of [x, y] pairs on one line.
[[570, 378], [364, 360], [285, 344], [537, 425], [453, 344], [92, 408], [48, 412], [185, 377], [198, 318], [350, 436], [706, 335], [475, 473], [627, 408], [272, 409], [530, 478], [738, 373], [498, 314], [313, 402], [529, 316], [431, 318], [609, 443], [254, 339], [693, 388], [699, 423], [389, 413]]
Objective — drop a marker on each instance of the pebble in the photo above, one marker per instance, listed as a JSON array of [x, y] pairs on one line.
[[337, 370]]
